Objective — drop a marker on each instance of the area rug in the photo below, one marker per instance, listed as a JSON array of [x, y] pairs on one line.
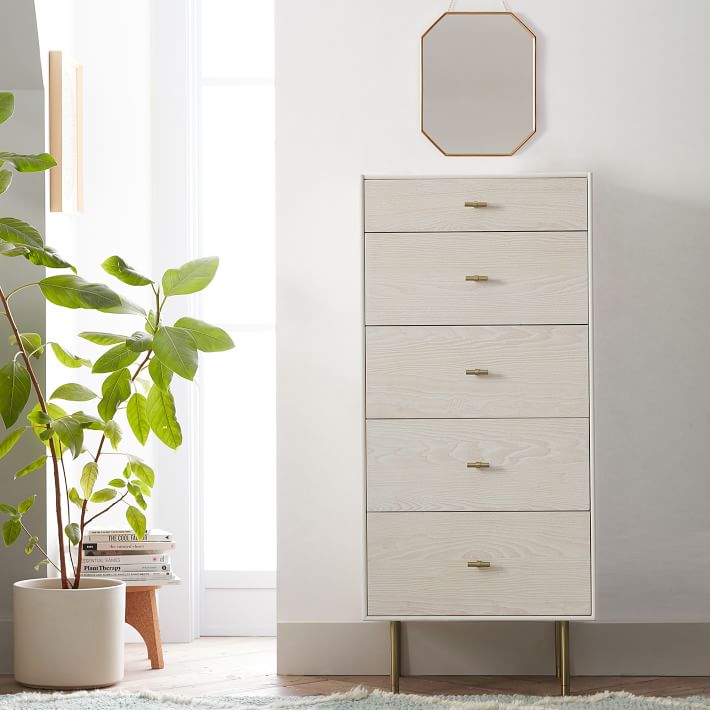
[[355, 699]]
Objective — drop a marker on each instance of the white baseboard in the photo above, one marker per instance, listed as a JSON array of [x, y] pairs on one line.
[[5, 646], [492, 648]]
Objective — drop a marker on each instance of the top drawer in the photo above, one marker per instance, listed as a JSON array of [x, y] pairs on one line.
[[512, 204]]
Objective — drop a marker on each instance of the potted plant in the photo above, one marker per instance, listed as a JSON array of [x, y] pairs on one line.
[[69, 629]]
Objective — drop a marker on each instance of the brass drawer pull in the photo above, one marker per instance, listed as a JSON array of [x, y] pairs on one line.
[[475, 203], [477, 371], [477, 277], [479, 563], [478, 464]]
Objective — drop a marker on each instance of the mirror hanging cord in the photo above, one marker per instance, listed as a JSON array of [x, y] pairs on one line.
[[506, 6]]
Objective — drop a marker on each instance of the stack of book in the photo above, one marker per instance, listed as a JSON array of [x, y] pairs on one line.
[[119, 554]]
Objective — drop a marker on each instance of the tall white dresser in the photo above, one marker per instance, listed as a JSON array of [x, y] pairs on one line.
[[478, 420]]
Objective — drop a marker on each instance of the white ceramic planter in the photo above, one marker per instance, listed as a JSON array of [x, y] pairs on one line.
[[69, 638]]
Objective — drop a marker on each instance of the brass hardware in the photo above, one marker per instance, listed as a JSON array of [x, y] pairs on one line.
[[478, 464], [477, 277], [478, 563], [557, 650], [395, 632], [563, 628], [475, 203], [476, 372]]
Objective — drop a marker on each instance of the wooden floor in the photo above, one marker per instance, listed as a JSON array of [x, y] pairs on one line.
[[246, 666]]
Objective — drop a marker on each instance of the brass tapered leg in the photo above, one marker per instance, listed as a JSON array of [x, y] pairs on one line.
[[564, 657], [557, 649], [395, 632]]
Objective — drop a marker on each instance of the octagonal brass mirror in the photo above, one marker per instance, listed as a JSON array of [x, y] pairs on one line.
[[478, 83]]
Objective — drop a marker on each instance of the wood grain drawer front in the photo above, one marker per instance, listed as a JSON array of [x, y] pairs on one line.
[[420, 371], [417, 564], [421, 279], [523, 464], [512, 204]]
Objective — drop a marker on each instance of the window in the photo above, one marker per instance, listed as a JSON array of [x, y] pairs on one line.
[[235, 114]]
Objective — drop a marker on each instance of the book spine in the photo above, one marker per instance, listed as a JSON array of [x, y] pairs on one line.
[[131, 575], [97, 557], [125, 537], [119, 569], [145, 546]]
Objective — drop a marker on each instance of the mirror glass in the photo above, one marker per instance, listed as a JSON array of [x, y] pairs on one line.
[[478, 83]]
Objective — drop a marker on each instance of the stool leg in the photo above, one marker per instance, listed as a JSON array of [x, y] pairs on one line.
[[142, 615], [395, 633], [557, 650], [564, 658]]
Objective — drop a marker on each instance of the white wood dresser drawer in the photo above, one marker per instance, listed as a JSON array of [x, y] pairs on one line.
[[477, 464], [430, 371], [439, 204], [475, 278], [418, 564]]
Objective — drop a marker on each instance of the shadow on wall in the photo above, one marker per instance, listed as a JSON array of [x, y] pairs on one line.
[[652, 350]]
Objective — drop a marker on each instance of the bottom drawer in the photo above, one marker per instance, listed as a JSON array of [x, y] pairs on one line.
[[540, 564]]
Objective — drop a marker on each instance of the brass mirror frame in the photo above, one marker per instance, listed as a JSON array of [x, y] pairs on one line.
[[534, 88]]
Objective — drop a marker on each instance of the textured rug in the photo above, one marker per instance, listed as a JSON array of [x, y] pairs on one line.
[[356, 699]]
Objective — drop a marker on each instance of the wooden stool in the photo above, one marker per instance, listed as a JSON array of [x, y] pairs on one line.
[[142, 615]]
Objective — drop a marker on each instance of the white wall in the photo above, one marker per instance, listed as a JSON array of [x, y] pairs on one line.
[[21, 73], [621, 92]]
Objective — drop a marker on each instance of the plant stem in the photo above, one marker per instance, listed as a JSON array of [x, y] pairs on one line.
[[107, 508], [19, 288], [77, 576], [40, 548], [66, 493], [52, 448]]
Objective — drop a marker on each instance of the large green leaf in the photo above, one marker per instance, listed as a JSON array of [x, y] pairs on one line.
[[75, 498], [176, 349], [73, 532], [18, 232], [115, 389], [28, 163], [137, 415], [11, 530], [70, 433], [161, 415], [8, 509], [136, 520], [160, 374], [31, 342], [89, 474], [114, 359], [7, 105], [67, 359], [72, 392], [10, 440], [208, 338], [14, 391], [124, 306], [143, 473], [70, 291], [88, 421], [26, 504], [104, 495], [113, 433], [5, 180], [9, 249], [37, 463], [139, 342], [102, 338], [48, 257], [190, 277], [135, 490], [117, 267]]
